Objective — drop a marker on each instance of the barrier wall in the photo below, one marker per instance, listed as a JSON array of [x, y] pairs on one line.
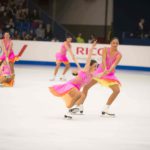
[[134, 57]]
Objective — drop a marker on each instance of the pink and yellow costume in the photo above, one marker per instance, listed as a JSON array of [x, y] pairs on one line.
[[11, 56], [5, 70], [6, 79], [61, 55], [109, 79], [82, 79]]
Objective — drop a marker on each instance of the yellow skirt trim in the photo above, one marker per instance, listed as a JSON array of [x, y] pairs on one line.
[[107, 83], [65, 62]]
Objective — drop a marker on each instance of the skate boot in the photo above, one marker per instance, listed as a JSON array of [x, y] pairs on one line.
[[77, 110]]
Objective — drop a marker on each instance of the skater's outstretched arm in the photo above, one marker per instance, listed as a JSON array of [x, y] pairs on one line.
[[88, 60], [6, 52], [72, 55], [10, 47], [115, 63], [4, 49], [104, 53], [1, 66]]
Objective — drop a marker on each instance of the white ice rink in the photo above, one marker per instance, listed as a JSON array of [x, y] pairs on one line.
[[32, 119]]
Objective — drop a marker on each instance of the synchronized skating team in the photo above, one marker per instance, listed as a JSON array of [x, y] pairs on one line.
[[74, 91]]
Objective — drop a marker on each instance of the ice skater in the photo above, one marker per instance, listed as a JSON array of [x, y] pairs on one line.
[[8, 54], [6, 77], [110, 59], [8, 59], [62, 58], [70, 91]]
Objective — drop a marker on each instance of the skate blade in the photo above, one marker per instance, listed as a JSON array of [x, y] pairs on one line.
[[77, 114], [106, 115], [67, 117]]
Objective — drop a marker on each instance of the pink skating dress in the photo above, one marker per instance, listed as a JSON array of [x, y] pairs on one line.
[[81, 80], [5, 70], [11, 56], [61, 56], [109, 79]]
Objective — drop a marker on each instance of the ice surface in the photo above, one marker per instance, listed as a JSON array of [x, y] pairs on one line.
[[32, 119]]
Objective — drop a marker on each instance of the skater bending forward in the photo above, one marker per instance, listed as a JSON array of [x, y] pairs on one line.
[[70, 91]]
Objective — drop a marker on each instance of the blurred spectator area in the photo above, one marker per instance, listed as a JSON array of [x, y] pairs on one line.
[[37, 20], [25, 20], [128, 21]]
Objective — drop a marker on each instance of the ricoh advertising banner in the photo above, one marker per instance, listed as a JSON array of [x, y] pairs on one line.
[[46, 51]]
